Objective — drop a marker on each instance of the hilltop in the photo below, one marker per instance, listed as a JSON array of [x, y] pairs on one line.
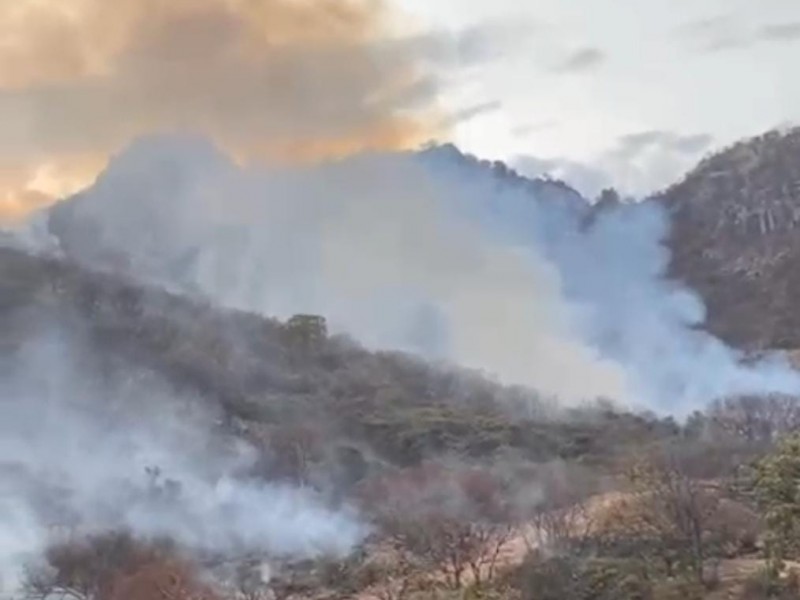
[[734, 239]]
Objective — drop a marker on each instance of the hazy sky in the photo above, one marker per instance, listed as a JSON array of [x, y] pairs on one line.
[[638, 89], [629, 92]]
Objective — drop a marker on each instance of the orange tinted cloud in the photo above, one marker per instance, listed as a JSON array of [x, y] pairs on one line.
[[285, 79]]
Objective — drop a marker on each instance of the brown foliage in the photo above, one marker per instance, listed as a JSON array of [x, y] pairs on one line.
[[453, 521], [687, 523], [560, 518], [162, 580], [88, 569], [756, 419]]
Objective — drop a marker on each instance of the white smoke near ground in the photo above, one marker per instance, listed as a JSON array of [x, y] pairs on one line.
[[425, 253], [86, 446], [613, 276]]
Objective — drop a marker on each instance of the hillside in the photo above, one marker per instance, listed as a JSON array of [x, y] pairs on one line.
[[387, 405], [734, 239], [280, 460], [316, 411]]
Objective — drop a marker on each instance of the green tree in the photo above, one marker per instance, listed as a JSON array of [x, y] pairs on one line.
[[306, 331], [777, 487]]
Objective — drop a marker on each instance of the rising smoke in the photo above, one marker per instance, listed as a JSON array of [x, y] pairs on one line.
[[284, 79], [424, 253], [91, 444], [287, 80], [420, 252]]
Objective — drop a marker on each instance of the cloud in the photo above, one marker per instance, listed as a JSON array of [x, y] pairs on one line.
[[693, 143], [275, 79], [725, 32], [470, 112], [630, 145], [589, 180], [714, 34], [581, 60], [527, 129], [781, 32], [637, 164]]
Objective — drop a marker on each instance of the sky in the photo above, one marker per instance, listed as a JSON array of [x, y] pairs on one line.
[[629, 93], [625, 91]]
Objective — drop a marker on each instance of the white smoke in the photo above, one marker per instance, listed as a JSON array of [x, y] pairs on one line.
[[612, 277], [419, 252], [88, 446]]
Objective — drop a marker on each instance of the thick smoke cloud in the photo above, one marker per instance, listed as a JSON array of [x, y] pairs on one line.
[[374, 243], [278, 79], [612, 275], [425, 253], [80, 437]]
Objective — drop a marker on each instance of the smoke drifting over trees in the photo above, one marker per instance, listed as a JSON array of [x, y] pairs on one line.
[[421, 252], [272, 353], [89, 445]]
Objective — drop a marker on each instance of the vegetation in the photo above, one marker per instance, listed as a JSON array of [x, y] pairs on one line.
[[777, 486], [472, 489]]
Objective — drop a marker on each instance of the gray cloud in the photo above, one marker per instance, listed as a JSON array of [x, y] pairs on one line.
[[725, 32], [637, 163], [780, 32], [693, 143], [584, 59], [714, 34], [470, 112], [586, 178], [630, 145], [527, 129]]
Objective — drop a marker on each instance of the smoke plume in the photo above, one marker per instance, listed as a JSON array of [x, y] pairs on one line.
[[422, 253], [278, 79], [89, 445]]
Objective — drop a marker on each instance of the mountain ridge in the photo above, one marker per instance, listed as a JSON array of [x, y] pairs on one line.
[[733, 238]]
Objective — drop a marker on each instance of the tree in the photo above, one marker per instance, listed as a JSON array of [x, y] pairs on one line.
[[777, 492], [87, 569], [559, 518], [667, 514], [251, 580], [452, 521], [756, 419], [608, 198], [306, 331], [162, 580], [572, 577], [398, 576], [292, 450]]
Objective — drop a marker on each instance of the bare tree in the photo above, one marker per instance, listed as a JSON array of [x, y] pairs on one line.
[[558, 517], [86, 569], [251, 582], [162, 580], [451, 521], [295, 450], [670, 513], [756, 419], [396, 576]]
